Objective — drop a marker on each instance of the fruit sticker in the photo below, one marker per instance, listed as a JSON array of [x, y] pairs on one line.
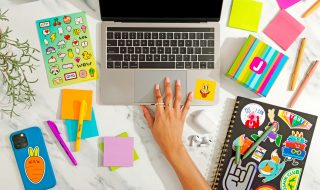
[[67, 49], [205, 90], [294, 148], [253, 115], [270, 169], [34, 165], [294, 121], [290, 180]]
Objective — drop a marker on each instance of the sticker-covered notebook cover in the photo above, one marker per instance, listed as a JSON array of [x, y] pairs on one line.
[[278, 162], [67, 49]]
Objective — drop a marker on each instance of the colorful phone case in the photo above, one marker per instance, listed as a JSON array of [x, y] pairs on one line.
[[33, 161]]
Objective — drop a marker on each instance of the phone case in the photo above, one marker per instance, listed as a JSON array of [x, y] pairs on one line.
[[33, 161]]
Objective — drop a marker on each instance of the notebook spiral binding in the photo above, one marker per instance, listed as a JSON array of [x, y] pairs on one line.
[[217, 175]]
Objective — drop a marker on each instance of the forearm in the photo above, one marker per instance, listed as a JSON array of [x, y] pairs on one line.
[[189, 175]]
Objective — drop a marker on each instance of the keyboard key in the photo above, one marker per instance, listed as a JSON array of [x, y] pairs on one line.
[[125, 65], [147, 35], [186, 57], [133, 65], [183, 50], [173, 42], [167, 50], [117, 35], [154, 35], [117, 65], [156, 57], [160, 50], [179, 65], [207, 50], [140, 35], [184, 35], [175, 50], [153, 50], [164, 57], [192, 36], [169, 35], [137, 49], [145, 50], [125, 35], [165, 42], [199, 35], [121, 42], [188, 65], [172, 57], [203, 65], [126, 57], [177, 35], [188, 43], [159, 43], [203, 43], [189, 50], [109, 64], [196, 43], [150, 42], [133, 35], [195, 65], [136, 42], [205, 57], [162, 35], [194, 58], [149, 57], [142, 57], [144, 42], [128, 42], [112, 49], [210, 65], [134, 57], [181, 43], [210, 43], [130, 49], [178, 57], [208, 35], [111, 42], [114, 57], [197, 50], [123, 49], [157, 65], [110, 35]]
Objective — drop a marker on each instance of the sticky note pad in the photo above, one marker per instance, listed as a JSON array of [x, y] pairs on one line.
[[71, 101], [89, 128], [118, 151], [245, 14], [135, 154], [205, 90], [284, 29], [283, 4]]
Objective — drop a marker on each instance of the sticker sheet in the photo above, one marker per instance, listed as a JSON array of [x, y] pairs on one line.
[[67, 49]]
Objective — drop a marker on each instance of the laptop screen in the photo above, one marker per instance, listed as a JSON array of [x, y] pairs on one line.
[[161, 10]]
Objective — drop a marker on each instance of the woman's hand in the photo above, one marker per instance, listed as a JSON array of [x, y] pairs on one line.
[[167, 124]]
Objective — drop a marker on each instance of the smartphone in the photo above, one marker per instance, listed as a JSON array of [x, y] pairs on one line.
[[32, 159]]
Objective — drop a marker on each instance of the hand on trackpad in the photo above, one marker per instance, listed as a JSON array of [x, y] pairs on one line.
[[145, 81]]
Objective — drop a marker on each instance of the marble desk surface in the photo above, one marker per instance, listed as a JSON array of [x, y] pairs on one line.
[[151, 171]]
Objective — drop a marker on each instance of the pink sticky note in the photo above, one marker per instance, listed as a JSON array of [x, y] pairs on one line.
[[118, 151], [283, 4], [284, 29]]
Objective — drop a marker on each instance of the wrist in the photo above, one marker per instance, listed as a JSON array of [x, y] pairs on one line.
[[176, 153]]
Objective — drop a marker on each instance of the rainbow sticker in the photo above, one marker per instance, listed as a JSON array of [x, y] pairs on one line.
[[294, 121]]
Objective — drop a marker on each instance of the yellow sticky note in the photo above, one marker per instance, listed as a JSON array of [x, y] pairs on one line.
[[205, 90], [245, 14], [71, 101]]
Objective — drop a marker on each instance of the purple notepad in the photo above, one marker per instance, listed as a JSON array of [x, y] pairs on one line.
[[118, 151]]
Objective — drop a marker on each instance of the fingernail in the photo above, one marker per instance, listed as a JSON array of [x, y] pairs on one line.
[[191, 94], [167, 79], [178, 82], [157, 87]]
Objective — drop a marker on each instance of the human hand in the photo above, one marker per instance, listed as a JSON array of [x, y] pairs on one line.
[[168, 121]]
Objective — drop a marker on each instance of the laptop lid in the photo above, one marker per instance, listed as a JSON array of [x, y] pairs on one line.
[[161, 10]]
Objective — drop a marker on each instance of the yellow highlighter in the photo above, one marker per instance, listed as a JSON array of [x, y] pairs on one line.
[[83, 110]]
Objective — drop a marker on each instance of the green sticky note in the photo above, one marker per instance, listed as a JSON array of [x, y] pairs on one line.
[[245, 14], [135, 155]]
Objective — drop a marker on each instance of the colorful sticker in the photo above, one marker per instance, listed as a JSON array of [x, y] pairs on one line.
[[34, 165], [270, 169], [266, 187], [205, 90], [290, 179], [273, 136], [259, 153], [244, 143], [294, 121], [238, 177], [67, 49], [294, 148], [253, 115]]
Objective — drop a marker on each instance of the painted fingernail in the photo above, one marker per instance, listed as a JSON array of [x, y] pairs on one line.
[[157, 87], [178, 82], [167, 79]]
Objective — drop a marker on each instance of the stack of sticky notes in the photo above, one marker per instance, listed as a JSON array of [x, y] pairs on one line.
[[257, 66], [245, 14], [118, 151], [70, 109]]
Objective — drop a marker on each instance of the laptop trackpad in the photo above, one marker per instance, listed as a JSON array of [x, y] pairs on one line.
[[144, 82]]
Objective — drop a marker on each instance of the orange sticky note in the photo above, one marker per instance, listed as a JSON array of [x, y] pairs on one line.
[[71, 101], [205, 90]]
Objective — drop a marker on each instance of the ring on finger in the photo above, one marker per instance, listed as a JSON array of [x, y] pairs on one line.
[[159, 104]]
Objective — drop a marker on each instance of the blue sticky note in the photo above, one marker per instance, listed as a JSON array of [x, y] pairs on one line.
[[89, 128]]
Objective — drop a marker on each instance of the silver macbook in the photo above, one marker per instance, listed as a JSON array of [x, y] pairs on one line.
[[145, 41]]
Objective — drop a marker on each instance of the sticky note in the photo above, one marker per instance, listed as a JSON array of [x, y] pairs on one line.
[[135, 154], [71, 101], [205, 90], [284, 29], [283, 4], [67, 49], [245, 14], [118, 151], [89, 128]]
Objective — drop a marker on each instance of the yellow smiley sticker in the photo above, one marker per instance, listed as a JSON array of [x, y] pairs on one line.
[[205, 90]]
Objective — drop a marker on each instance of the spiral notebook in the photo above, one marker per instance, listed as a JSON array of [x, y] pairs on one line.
[[278, 162]]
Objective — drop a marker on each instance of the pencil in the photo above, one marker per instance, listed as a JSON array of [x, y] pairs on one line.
[[256, 144], [311, 9], [304, 83], [298, 65]]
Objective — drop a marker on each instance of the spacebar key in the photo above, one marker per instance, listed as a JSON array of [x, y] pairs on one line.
[[156, 65]]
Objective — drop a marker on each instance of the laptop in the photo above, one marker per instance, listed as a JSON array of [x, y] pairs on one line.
[[145, 41]]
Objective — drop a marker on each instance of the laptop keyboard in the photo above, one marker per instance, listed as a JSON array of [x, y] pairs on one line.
[[160, 48]]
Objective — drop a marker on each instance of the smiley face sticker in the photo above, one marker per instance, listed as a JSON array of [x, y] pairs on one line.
[[205, 90]]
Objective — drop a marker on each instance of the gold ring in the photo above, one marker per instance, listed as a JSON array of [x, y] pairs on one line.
[[158, 104], [169, 104]]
